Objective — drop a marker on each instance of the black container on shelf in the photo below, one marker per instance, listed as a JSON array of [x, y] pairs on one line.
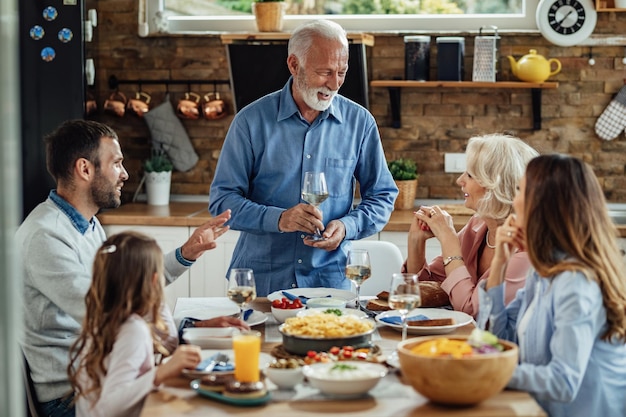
[[450, 54], [417, 58]]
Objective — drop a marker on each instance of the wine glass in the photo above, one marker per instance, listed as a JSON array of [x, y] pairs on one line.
[[358, 269], [404, 296], [241, 288], [314, 192]]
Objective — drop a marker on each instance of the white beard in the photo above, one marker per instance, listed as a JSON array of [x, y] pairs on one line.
[[309, 95]]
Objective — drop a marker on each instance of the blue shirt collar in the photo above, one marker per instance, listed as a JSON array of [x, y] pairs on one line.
[[78, 220], [288, 106]]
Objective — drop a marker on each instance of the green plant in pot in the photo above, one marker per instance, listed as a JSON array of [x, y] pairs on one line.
[[158, 177], [269, 15], [404, 173]]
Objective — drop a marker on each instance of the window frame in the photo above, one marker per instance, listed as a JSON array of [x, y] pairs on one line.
[[151, 10]]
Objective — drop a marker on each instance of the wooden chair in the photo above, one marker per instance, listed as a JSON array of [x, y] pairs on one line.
[[385, 258]]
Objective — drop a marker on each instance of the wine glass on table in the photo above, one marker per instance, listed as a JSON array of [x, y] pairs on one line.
[[358, 269], [241, 288], [314, 192], [404, 296]]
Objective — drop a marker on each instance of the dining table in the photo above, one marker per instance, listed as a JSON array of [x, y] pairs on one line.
[[392, 396]]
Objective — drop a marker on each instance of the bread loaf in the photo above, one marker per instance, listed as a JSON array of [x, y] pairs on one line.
[[433, 295]]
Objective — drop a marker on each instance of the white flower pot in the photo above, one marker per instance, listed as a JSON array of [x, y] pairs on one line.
[[620, 4], [158, 188]]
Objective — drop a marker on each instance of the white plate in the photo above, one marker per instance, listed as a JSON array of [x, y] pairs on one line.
[[344, 312], [210, 337], [314, 293], [256, 318], [460, 319], [203, 308], [264, 361]]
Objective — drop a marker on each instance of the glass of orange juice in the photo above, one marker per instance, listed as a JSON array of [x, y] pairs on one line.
[[247, 348]]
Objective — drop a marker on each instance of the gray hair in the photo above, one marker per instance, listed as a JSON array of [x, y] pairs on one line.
[[497, 162], [303, 37]]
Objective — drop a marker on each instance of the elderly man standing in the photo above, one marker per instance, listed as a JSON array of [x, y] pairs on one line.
[[271, 143]]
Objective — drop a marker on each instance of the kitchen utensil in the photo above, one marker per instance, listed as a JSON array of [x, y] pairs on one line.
[[116, 104], [139, 105], [188, 107], [486, 55], [534, 68], [213, 107], [207, 365]]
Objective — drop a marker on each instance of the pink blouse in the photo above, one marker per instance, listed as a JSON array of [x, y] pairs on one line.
[[462, 283]]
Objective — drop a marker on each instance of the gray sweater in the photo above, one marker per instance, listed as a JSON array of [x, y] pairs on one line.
[[58, 247]]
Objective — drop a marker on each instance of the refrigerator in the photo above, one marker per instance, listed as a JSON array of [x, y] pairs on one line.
[[52, 86]]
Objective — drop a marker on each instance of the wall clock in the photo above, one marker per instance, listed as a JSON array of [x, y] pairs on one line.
[[566, 22]]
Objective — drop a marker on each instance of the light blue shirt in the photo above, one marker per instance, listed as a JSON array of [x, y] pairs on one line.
[[564, 363], [267, 150]]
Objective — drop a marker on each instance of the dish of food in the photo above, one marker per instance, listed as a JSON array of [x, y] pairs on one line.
[[314, 293], [219, 396], [450, 320], [344, 379], [335, 311], [210, 337]]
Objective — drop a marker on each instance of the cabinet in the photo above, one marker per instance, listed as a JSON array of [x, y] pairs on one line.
[[394, 87]]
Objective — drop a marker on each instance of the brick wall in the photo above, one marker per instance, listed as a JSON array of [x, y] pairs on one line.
[[434, 121]]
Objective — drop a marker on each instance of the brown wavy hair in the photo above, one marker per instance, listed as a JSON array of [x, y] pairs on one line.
[[566, 215], [122, 285]]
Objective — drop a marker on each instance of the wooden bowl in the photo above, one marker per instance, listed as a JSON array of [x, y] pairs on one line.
[[453, 381]]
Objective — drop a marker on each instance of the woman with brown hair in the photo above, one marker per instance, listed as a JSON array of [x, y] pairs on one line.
[[570, 318], [112, 361]]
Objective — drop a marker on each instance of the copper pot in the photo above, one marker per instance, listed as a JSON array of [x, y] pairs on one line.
[[139, 105], [189, 107], [90, 105], [214, 108], [116, 104]]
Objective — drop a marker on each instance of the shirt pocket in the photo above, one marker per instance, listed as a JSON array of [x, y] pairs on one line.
[[339, 176]]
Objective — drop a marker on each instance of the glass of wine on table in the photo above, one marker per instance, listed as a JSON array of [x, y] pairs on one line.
[[241, 288], [314, 192], [358, 269], [404, 296]]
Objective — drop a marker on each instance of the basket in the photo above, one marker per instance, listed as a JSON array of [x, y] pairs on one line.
[[269, 16], [406, 195]]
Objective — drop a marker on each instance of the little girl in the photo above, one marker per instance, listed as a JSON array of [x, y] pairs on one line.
[[112, 364]]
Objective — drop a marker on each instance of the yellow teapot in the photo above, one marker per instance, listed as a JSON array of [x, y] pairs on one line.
[[534, 68]]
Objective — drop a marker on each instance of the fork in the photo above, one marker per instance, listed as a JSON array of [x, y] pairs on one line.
[[219, 359]]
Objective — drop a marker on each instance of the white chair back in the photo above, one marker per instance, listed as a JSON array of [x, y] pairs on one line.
[[385, 258]]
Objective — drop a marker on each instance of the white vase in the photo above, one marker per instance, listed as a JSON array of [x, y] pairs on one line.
[[158, 188]]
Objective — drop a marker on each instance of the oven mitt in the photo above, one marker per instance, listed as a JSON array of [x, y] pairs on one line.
[[168, 133], [613, 119]]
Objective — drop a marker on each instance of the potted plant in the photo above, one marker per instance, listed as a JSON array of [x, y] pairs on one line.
[[404, 173], [269, 15], [158, 177]]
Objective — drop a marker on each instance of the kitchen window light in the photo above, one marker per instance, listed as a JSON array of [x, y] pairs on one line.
[[156, 19]]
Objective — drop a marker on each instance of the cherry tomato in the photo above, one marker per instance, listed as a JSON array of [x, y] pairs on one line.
[[334, 350], [276, 303], [296, 303], [348, 348], [311, 354]]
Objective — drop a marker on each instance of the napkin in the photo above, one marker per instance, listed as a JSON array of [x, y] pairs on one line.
[[217, 368], [302, 298], [398, 319]]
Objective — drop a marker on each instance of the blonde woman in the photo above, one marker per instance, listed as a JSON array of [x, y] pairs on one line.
[[570, 318], [112, 364], [495, 164]]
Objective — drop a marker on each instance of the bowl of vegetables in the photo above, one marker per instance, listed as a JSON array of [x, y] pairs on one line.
[[283, 308], [458, 370], [344, 379]]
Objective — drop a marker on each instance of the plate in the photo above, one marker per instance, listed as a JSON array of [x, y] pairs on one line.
[[256, 318], [210, 337], [264, 361], [314, 293], [203, 308], [243, 402], [344, 312], [460, 319]]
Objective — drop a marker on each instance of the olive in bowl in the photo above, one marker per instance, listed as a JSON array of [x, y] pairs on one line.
[[285, 373]]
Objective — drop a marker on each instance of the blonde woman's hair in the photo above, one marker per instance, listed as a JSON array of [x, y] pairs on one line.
[[497, 162], [123, 284], [568, 228]]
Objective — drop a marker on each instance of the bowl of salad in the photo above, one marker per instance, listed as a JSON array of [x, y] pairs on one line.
[[458, 370]]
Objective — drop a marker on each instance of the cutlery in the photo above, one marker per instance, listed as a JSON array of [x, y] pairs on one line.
[[217, 360], [302, 298]]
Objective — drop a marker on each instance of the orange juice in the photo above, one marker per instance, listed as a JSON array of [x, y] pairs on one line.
[[247, 347]]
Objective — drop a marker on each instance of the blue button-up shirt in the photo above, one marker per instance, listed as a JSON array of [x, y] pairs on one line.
[[267, 150]]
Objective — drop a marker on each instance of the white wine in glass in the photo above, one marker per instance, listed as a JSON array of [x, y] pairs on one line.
[[241, 288], [358, 269], [404, 296], [314, 192]]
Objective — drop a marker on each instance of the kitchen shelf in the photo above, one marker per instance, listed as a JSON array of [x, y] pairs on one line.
[[394, 87], [608, 6]]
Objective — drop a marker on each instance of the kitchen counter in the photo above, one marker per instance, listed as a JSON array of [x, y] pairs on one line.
[[196, 213]]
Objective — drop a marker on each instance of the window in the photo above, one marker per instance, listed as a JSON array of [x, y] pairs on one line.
[[219, 16]]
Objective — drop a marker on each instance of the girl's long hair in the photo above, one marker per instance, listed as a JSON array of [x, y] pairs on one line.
[[566, 215], [123, 284]]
